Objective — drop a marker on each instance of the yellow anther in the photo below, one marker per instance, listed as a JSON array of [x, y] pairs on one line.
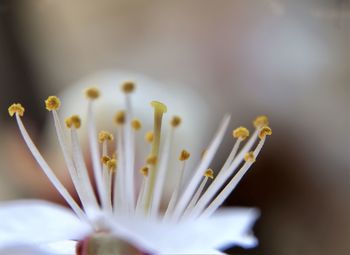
[[16, 109], [175, 121], [92, 93], [136, 124], [144, 170], [128, 87], [261, 121], [184, 155], [112, 165], [149, 136], [264, 132], [249, 157], [159, 107], [120, 117], [151, 159], [104, 136], [209, 173], [240, 132], [105, 159], [52, 103], [73, 120]]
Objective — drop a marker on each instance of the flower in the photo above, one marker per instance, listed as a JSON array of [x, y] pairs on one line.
[[122, 212]]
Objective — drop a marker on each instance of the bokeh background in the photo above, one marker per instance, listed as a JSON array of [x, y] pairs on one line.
[[284, 58]]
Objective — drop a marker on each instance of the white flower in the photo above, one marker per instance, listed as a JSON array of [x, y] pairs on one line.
[[188, 223]]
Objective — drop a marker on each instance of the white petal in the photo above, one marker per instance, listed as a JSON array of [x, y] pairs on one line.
[[35, 221], [227, 227]]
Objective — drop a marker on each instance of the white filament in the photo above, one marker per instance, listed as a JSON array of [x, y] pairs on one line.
[[232, 184], [95, 156], [48, 171], [199, 172]]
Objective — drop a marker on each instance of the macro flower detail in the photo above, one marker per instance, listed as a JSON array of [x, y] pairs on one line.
[[123, 211]]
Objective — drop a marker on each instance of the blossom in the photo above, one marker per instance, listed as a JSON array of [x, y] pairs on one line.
[[123, 210]]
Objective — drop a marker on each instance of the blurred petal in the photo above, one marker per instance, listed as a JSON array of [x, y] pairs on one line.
[[36, 221]]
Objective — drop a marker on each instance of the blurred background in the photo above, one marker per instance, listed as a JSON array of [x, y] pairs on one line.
[[287, 59]]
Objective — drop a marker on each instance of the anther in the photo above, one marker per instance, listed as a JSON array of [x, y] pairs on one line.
[[104, 136], [120, 117], [209, 173], [144, 170], [105, 159], [184, 155], [175, 121], [149, 136], [52, 103], [151, 159], [16, 109], [92, 93], [128, 87], [261, 121], [264, 132], [240, 132], [249, 157], [136, 124], [73, 120], [112, 164]]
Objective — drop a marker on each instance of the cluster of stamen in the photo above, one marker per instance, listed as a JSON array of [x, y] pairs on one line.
[[114, 171]]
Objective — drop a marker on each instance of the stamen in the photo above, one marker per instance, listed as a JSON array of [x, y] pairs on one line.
[[105, 159], [141, 196], [16, 109], [52, 103], [136, 124], [261, 121], [264, 132], [48, 171], [225, 174], [144, 171], [249, 157], [184, 155], [112, 165], [119, 183], [149, 136], [198, 193], [209, 173], [159, 110], [105, 136], [128, 87], [152, 159], [175, 121], [92, 93], [196, 178], [240, 132], [233, 183], [74, 120], [120, 117]]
